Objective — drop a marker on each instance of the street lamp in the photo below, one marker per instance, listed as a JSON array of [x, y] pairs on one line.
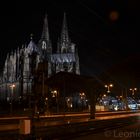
[[104, 95], [82, 95], [133, 90], [55, 95], [108, 87], [12, 92]]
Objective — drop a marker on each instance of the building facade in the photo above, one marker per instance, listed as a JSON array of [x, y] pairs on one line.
[[21, 65]]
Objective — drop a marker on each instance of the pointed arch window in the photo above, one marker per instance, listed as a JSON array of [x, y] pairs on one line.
[[44, 45]]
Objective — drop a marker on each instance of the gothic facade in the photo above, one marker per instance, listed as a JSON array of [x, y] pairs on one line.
[[20, 65]]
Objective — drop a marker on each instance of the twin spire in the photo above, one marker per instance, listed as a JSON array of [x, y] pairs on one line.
[[64, 32]]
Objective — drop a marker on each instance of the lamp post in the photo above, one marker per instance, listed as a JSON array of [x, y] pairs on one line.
[[82, 97], [108, 87], [55, 95], [133, 90], [12, 92]]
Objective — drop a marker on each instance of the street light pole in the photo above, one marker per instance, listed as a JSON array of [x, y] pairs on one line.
[[55, 94], [133, 90], [108, 87], [12, 92]]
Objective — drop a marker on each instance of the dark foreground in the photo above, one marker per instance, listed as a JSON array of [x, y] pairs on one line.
[[111, 128]]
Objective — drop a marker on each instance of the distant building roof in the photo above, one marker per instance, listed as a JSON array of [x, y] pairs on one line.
[[71, 81]]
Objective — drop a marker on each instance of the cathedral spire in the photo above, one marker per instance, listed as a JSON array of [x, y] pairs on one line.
[[32, 47], [44, 43], [64, 34], [45, 32]]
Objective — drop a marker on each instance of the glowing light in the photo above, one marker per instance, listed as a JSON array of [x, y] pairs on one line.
[[54, 93], [116, 108], [108, 87], [133, 90], [82, 95], [114, 15], [13, 85], [104, 95], [111, 85]]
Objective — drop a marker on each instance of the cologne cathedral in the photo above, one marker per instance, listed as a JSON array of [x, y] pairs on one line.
[[19, 70]]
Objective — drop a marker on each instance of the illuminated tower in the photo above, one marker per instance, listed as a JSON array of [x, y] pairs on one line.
[[66, 59], [45, 46]]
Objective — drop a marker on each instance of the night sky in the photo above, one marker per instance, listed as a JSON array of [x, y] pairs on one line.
[[106, 32]]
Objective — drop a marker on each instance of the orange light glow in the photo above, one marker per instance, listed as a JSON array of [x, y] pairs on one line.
[[114, 15]]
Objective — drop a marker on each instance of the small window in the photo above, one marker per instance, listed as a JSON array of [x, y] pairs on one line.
[[44, 45]]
